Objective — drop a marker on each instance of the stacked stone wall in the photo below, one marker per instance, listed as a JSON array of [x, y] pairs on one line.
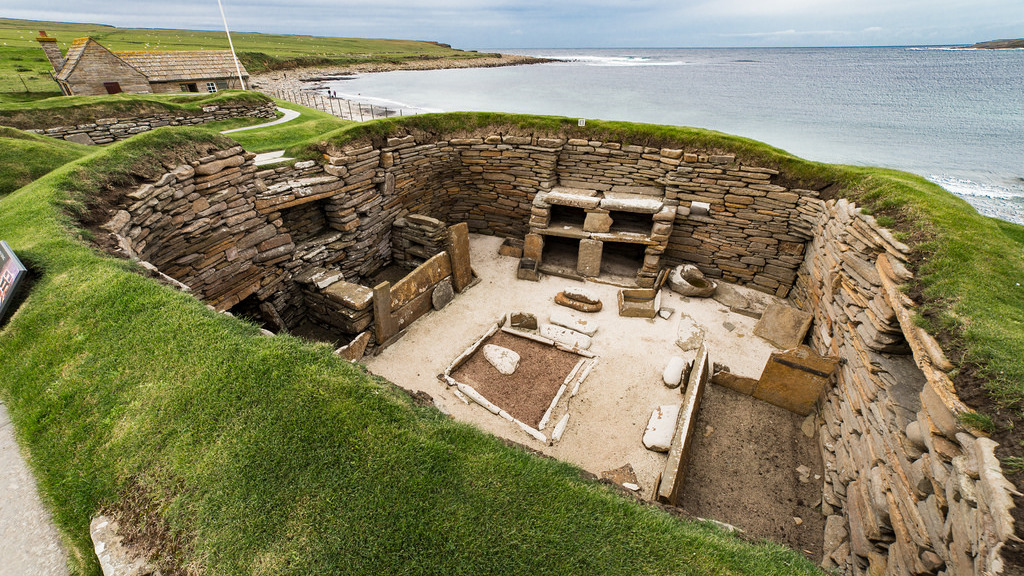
[[908, 489], [106, 130]]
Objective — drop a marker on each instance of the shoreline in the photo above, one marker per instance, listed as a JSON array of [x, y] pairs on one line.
[[312, 78]]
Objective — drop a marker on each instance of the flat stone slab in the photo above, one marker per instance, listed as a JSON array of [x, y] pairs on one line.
[[661, 428], [794, 379], [567, 320], [631, 203], [783, 326], [573, 198], [352, 295], [504, 360], [689, 334], [565, 336]]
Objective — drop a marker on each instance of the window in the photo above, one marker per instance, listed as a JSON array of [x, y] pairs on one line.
[[211, 86], [112, 87], [222, 84]]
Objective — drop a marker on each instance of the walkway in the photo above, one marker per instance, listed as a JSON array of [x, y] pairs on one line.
[[289, 115], [29, 542]]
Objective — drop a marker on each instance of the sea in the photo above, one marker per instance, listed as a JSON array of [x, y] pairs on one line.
[[954, 116]]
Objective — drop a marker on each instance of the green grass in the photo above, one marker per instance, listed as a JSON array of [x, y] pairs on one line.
[[24, 68], [25, 157], [296, 134], [267, 455]]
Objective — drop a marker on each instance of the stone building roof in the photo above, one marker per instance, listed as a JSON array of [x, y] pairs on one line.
[[162, 65], [174, 65]]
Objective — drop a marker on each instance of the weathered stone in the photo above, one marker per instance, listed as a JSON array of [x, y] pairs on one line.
[[355, 349], [689, 334], [661, 427], [741, 384], [589, 262], [795, 379], [352, 295], [533, 247], [579, 305], [458, 253], [208, 168], [443, 294], [523, 320], [567, 320], [597, 222], [631, 203], [570, 338], [688, 280], [504, 360], [672, 376], [80, 138], [574, 198], [581, 295], [638, 303], [783, 326], [117, 559]]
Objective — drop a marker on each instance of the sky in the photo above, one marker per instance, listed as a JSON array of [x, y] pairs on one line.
[[473, 24]]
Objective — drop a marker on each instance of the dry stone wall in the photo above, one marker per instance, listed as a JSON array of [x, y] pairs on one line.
[[908, 489], [107, 130]]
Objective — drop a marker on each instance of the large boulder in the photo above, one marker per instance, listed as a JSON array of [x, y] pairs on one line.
[[688, 280]]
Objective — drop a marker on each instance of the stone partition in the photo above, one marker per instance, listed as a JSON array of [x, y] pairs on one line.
[[107, 130], [908, 489]]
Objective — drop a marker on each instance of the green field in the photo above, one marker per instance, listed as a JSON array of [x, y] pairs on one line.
[[24, 68]]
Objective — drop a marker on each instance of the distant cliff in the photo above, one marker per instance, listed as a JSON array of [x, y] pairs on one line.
[[999, 44]]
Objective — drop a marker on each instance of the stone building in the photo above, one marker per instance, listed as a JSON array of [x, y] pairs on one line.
[[89, 69]]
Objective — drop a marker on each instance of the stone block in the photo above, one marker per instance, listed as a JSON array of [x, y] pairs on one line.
[[672, 376], [443, 294], [504, 360], [661, 427], [589, 262], [783, 326], [350, 295], [741, 384], [458, 252], [523, 320], [795, 379], [632, 305], [597, 221], [570, 338], [533, 247], [355, 349]]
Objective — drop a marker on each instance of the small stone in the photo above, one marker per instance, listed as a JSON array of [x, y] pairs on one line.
[[443, 294], [708, 431], [556, 434], [661, 427], [504, 360], [581, 295], [798, 520], [673, 373], [728, 326], [805, 473], [630, 486], [666, 313], [563, 300], [523, 320], [565, 336], [567, 320]]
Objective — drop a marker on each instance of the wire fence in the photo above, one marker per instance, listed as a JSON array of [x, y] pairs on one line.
[[340, 107]]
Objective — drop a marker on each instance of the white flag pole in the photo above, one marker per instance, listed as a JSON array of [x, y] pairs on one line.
[[238, 67]]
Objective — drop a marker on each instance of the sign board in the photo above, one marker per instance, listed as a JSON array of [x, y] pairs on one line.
[[11, 273]]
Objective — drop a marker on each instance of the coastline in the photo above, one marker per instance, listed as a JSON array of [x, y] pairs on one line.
[[313, 77]]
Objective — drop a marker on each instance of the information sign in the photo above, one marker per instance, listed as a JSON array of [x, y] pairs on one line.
[[11, 273]]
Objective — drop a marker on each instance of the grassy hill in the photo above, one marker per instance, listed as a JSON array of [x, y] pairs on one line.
[[24, 68], [25, 157]]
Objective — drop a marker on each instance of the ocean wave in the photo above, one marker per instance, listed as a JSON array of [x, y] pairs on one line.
[[965, 187], [591, 60]]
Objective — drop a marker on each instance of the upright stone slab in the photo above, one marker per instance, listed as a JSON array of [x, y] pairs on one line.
[[670, 485], [589, 262], [795, 379], [597, 221], [458, 251], [533, 247]]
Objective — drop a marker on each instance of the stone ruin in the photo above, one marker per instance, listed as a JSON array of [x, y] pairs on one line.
[[908, 487]]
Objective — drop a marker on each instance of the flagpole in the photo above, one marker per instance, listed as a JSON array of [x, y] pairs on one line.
[[238, 67]]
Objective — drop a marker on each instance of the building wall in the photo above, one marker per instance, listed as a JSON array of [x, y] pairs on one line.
[[175, 86], [96, 66]]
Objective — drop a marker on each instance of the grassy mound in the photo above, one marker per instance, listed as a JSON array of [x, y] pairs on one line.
[[25, 157], [241, 454], [65, 111]]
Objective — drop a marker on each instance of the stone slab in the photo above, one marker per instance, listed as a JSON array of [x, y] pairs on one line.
[[420, 280], [689, 334], [458, 252], [672, 376], [352, 295], [631, 203], [597, 222], [661, 427], [355, 349], [504, 360], [570, 338], [589, 261], [795, 379], [670, 485], [572, 322], [783, 326], [573, 198], [443, 294], [563, 300]]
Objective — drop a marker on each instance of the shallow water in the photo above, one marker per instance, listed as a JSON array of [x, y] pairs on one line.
[[953, 116]]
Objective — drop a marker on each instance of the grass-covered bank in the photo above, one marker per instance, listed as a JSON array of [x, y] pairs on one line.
[[67, 111], [245, 454], [25, 157]]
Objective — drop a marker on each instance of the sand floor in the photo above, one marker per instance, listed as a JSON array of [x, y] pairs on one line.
[[609, 415]]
